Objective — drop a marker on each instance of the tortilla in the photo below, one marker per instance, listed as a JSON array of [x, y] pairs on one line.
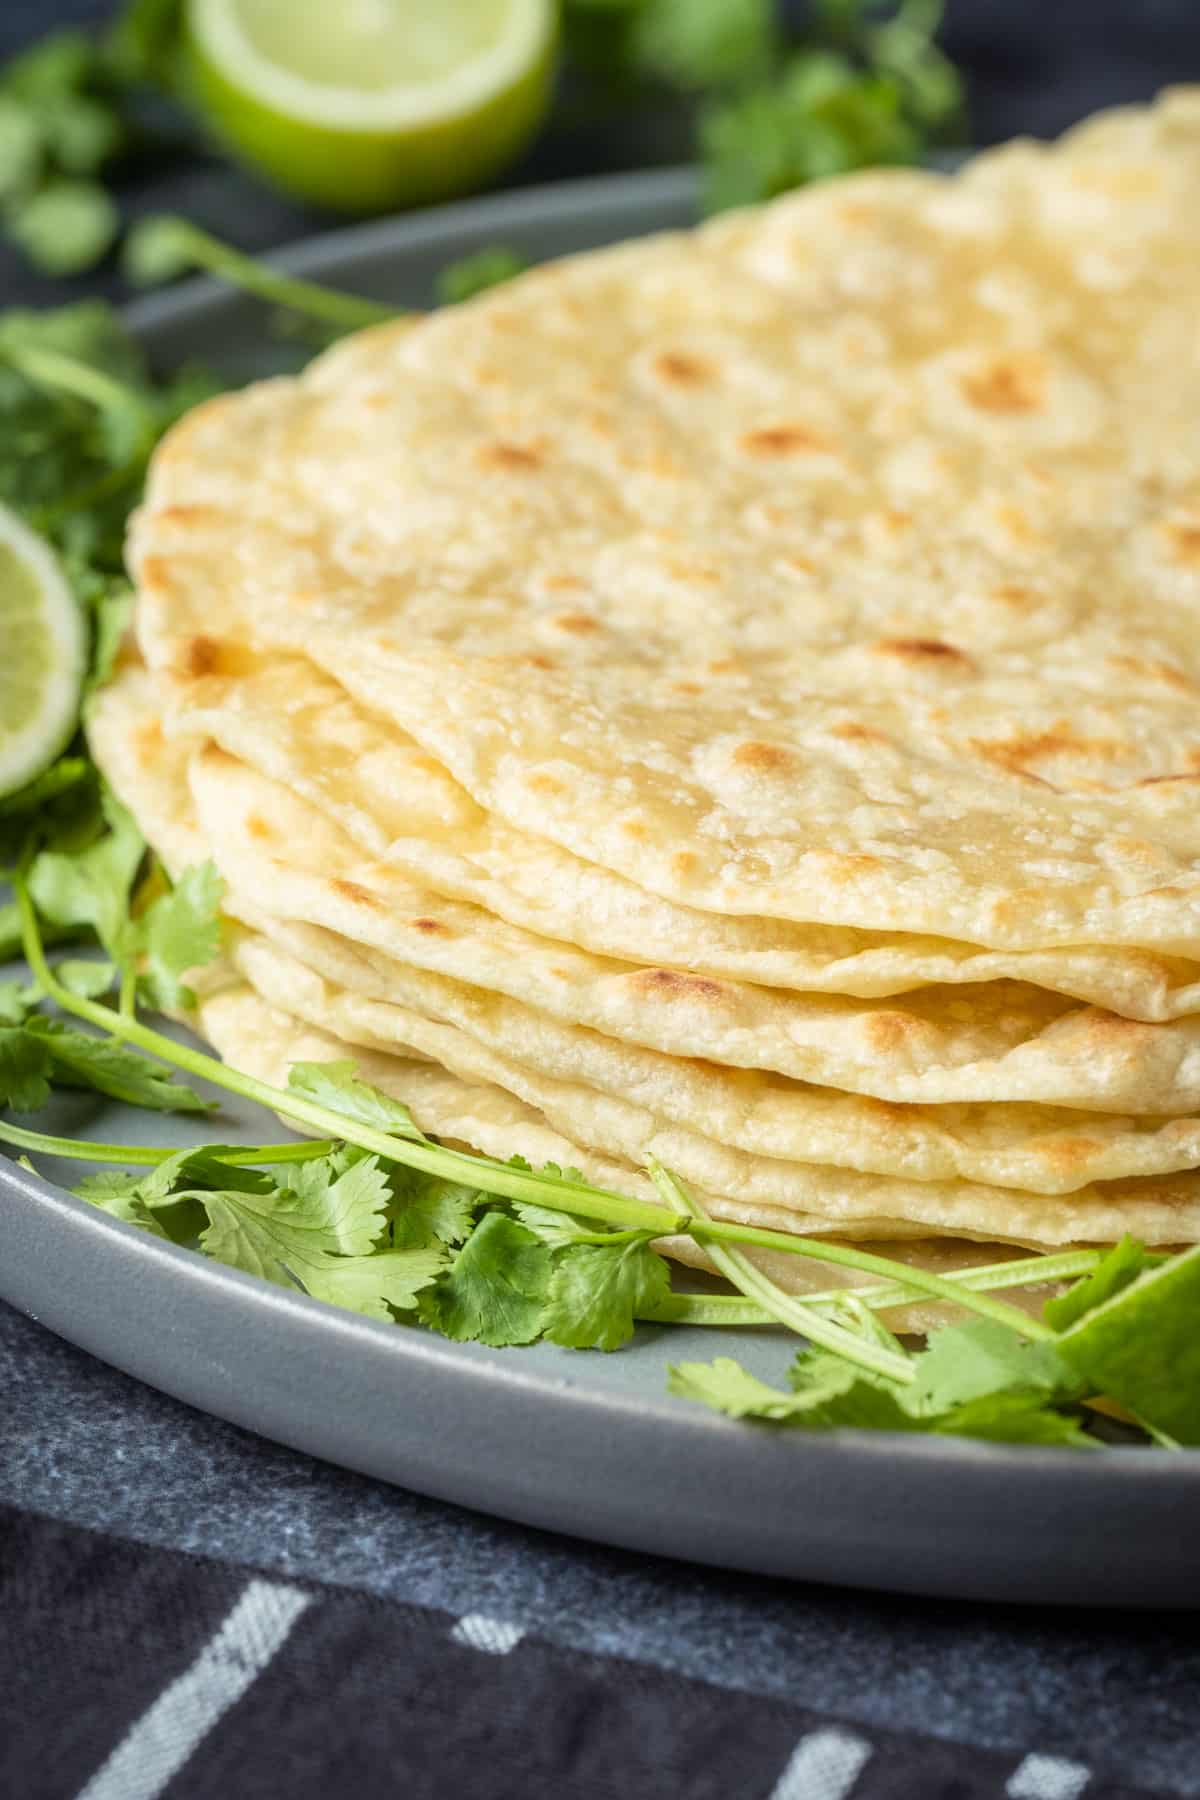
[[836, 563]]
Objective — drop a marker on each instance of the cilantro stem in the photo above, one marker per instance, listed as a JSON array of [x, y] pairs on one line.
[[68, 375], [711, 1232], [802, 1319], [150, 1155], [203, 251], [707, 1309], [730, 1309]]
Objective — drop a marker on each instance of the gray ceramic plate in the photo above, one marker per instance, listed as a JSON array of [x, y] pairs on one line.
[[587, 1444]]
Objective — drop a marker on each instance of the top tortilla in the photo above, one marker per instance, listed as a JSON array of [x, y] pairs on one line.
[[837, 563]]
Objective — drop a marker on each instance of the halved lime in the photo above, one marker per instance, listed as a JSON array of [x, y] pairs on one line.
[[367, 104], [43, 655]]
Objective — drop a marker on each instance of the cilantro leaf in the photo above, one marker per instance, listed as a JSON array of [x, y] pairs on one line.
[[24, 1070], [378, 1285], [92, 886], [428, 1210], [474, 274], [118, 1195], [597, 1291], [495, 1290], [180, 931], [78, 1059], [831, 1395], [1124, 1262], [705, 43], [17, 1001], [820, 117], [320, 1234], [336, 1086], [88, 979], [553, 1228], [966, 1363], [66, 226], [1012, 1418], [1141, 1348], [350, 1195]]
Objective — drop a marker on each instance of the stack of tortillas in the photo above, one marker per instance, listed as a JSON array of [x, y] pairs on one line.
[[735, 696]]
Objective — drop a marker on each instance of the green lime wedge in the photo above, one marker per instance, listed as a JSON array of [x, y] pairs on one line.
[[44, 638], [363, 105]]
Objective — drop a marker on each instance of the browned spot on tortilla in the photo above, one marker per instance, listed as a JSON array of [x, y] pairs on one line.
[[155, 572], [686, 687], [837, 867], [128, 655], [432, 927], [538, 661], [257, 826], [149, 739], [545, 784], [561, 583], [921, 650], [1016, 526], [683, 370], [204, 656], [1156, 670], [725, 665], [579, 623], [763, 759], [634, 829], [508, 457], [890, 1112], [1069, 1152], [1159, 780], [888, 1031], [784, 440], [683, 862], [187, 515], [1011, 593], [854, 733], [1105, 1028], [1013, 753], [804, 565], [704, 573], [668, 983], [358, 896], [1012, 384], [1182, 538]]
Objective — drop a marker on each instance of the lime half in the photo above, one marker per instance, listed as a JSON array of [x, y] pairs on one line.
[[363, 105], [43, 655]]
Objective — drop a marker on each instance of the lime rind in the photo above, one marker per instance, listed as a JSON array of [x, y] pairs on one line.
[[406, 143], [44, 640], [219, 32]]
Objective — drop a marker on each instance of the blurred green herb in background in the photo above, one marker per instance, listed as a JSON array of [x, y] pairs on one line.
[[763, 107]]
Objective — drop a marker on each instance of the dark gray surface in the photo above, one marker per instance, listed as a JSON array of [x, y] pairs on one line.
[[585, 1443]]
